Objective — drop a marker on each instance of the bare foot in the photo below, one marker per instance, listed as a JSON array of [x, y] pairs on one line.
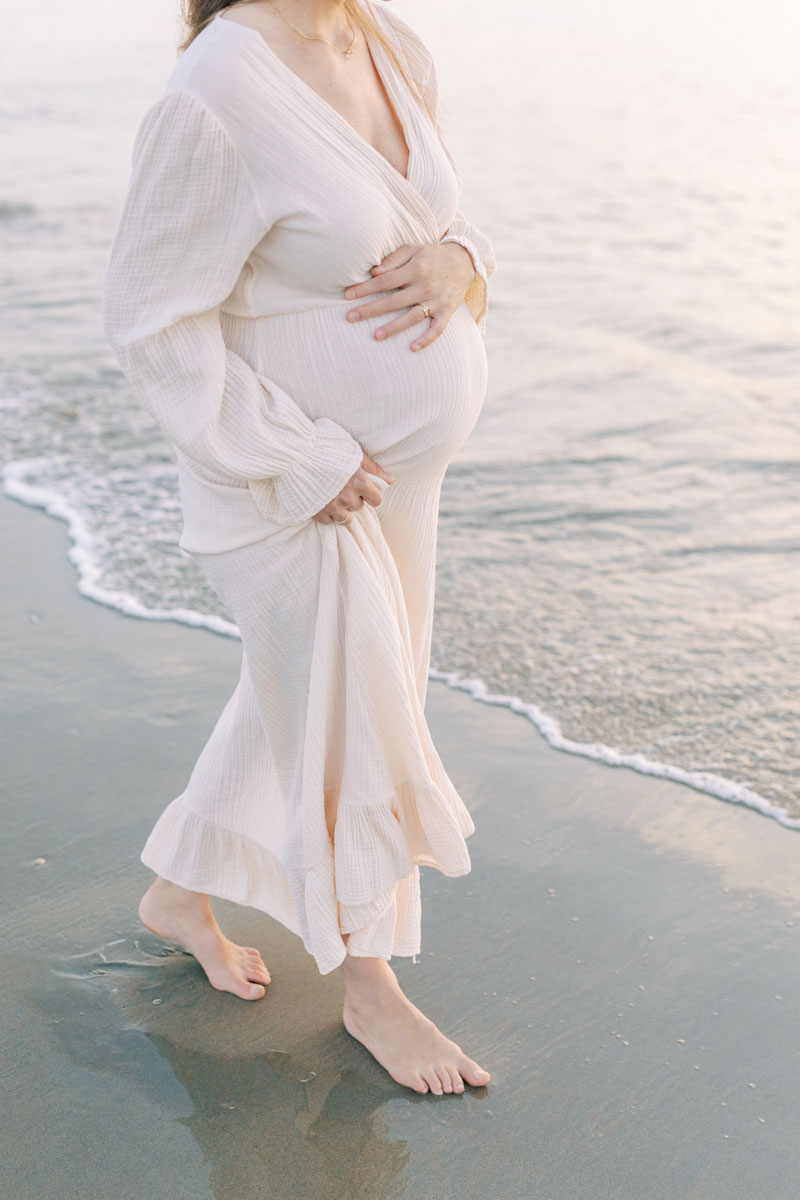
[[182, 916], [398, 1035]]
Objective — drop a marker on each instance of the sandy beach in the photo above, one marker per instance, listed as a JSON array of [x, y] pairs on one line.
[[622, 958]]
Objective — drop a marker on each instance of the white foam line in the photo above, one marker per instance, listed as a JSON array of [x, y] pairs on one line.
[[80, 554], [702, 781]]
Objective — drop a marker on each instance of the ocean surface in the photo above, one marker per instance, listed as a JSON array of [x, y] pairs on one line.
[[619, 539]]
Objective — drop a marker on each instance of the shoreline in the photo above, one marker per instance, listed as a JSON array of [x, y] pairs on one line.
[[79, 554], [622, 956]]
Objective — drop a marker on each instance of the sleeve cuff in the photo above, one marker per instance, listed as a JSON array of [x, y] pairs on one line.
[[297, 495], [477, 297], [481, 252]]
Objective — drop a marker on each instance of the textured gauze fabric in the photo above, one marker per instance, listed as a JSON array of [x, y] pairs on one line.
[[252, 204]]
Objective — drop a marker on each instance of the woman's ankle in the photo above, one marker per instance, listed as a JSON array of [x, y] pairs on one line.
[[176, 896], [365, 978]]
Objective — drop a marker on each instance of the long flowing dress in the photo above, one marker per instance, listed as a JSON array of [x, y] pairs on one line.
[[252, 204]]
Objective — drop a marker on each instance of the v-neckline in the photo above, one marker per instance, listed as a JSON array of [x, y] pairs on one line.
[[316, 97]]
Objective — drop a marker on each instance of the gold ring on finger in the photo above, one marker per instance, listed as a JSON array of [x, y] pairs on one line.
[[341, 520], [424, 308]]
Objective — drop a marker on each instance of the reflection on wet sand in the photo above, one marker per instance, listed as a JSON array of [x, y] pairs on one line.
[[297, 1122]]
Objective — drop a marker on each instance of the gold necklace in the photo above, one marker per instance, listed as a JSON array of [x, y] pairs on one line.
[[315, 38]]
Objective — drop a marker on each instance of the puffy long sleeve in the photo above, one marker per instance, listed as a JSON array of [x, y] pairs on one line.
[[190, 221], [461, 230]]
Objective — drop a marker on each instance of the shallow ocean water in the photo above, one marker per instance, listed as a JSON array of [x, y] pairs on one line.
[[619, 538]]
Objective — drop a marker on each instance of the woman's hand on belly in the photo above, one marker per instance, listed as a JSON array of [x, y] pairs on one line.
[[358, 489], [434, 276]]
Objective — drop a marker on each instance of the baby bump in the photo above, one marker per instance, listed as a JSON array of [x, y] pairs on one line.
[[408, 409]]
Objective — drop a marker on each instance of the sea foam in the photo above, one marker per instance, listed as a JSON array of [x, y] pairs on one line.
[[80, 553], [16, 485]]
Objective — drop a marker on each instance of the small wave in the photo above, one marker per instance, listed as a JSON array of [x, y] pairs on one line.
[[701, 781], [10, 209], [16, 485]]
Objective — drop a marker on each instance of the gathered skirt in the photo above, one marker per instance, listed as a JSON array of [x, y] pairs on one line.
[[319, 793]]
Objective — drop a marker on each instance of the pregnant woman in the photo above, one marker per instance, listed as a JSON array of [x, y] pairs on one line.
[[296, 299]]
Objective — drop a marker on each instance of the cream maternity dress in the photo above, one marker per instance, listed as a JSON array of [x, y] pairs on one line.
[[252, 204]]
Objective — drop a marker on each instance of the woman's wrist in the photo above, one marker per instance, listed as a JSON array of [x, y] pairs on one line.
[[464, 259]]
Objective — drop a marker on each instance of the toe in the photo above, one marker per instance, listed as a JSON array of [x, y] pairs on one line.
[[457, 1081], [473, 1074], [420, 1085], [253, 992], [444, 1077], [251, 960], [433, 1082]]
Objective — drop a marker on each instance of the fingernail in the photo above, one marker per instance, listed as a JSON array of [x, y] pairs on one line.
[[380, 334], [415, 346], [354, 316], [349, 294]]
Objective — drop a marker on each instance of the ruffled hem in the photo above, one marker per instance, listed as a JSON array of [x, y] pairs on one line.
[[397, 931], [372, 861], [188, 849], [377, 844], [376, 854]]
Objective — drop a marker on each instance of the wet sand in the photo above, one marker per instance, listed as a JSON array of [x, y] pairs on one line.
[[622, 958]]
